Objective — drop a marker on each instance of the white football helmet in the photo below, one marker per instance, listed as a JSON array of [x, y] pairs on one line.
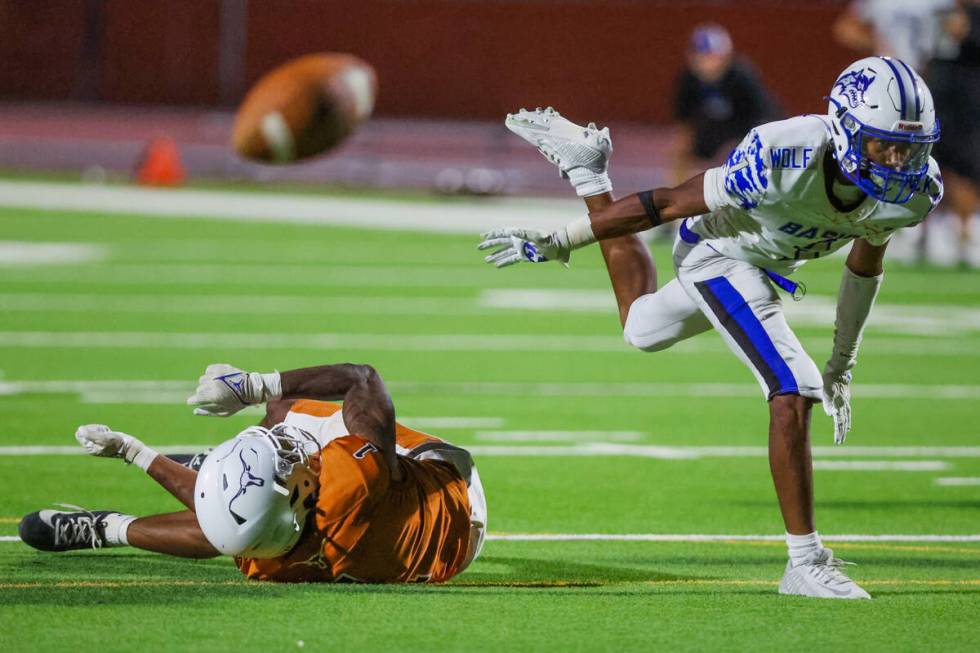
[[884, 125], [254, 491]]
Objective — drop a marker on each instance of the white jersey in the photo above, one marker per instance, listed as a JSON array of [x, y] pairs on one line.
[[770, 203]]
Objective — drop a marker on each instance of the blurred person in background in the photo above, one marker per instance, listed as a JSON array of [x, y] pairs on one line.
[[954, 75], [718, 97], [942, 39]]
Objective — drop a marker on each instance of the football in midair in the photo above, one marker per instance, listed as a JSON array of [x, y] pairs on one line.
[[304, 108]]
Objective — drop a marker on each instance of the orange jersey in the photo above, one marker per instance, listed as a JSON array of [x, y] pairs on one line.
[[369, 528]]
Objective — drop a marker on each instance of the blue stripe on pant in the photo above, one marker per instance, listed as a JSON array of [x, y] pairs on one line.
[[744, 327]]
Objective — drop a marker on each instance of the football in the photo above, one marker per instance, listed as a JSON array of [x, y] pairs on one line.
[[304, 108]]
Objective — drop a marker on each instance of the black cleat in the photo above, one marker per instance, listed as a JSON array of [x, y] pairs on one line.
[[55, 530]]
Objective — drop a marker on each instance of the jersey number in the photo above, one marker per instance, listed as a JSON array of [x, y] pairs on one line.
[[365, 450]]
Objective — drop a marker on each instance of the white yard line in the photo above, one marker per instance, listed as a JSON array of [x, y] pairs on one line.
[[956, 481], [691, 537], [17, 252], [46, 450], [320, 341], [949, 345], [240, 304], [881, 465], [613, 449], [460, 217], [133, 390], [816, 310], [445, 342], [558, 436]]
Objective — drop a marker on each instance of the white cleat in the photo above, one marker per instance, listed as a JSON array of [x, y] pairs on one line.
[[581, 153], [820, 576]]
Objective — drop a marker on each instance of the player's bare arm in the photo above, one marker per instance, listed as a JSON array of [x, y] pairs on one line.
[[582, 155], [100, 440], [865, 259], [641, 211], [368, 409]]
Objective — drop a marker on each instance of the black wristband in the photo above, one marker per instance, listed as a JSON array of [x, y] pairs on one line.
[[653, 213]]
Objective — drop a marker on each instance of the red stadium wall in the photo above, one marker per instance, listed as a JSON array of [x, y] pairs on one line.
[[613, 60]]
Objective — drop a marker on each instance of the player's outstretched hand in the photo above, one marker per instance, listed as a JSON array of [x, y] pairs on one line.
[[100, 440], [224, 390], [514, 245], [837, 402]]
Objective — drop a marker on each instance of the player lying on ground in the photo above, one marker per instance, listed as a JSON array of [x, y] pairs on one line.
[[793, 190], [316, 493]]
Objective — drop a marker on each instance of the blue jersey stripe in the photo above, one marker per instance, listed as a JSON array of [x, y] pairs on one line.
[[901, 85], [731, 307], [918, 91]]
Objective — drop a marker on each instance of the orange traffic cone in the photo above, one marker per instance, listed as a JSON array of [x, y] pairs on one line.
[[160, 164]]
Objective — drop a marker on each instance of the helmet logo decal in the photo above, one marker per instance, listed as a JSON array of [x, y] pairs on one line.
[[245, 481], [853, 85]]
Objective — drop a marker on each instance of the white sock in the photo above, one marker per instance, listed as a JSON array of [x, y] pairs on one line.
[[800, 546], [116, 527]]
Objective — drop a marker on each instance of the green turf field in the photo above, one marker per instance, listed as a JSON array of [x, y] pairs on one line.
[[573, 432]]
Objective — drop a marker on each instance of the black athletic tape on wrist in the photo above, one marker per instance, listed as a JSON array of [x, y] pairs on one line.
[[653, 213]]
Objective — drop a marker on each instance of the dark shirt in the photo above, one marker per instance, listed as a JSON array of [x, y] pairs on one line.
[[722, 111]]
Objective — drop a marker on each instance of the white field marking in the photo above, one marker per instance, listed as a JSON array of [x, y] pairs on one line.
[[46, 450], [660, 390], [558, 436], [658, 537], [847, 451], [240, 304], [233, 275], [452, 422], [398, 305], [311, 341], [691, 537], [881, 465], [814, 310], [460, 217], [666, 452], [595, 449], [23, 253], [105, 390], [144, 397], [953, 481]]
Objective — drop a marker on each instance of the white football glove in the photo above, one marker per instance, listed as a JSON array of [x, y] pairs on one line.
[[100, 440], [529, 245], [224, 390], [837, 401]]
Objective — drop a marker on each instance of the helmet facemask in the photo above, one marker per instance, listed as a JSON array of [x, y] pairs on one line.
[[887, 165], [883, 126]]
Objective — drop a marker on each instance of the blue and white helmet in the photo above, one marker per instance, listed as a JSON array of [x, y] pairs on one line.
[[253, 492], [884, 125]]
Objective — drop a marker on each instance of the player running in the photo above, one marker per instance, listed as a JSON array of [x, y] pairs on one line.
[[793, 190], [316, 493]]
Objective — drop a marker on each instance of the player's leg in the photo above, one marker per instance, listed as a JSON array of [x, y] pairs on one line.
[[964, 200], [175, 533], [745, 309], [790, 461], [628, 262], [581, 154]]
